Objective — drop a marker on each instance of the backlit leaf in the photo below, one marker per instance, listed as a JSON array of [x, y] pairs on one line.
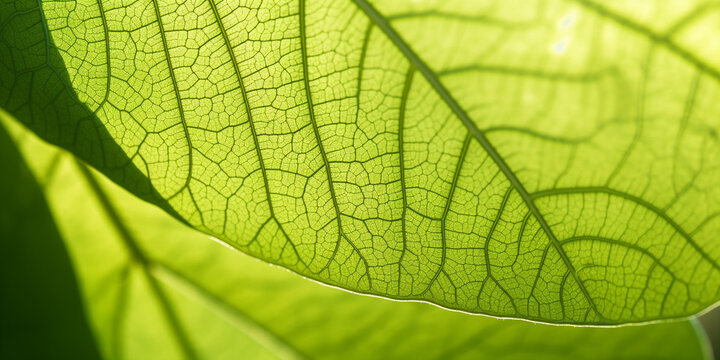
[[546, 160], [153, 288]]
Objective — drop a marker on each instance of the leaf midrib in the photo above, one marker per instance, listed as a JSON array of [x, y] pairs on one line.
[[163, 270], [147, 264], [137, 255], [434, 81]]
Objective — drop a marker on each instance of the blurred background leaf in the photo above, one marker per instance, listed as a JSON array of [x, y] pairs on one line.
[[154, 288], [530, 159], [41, 309]]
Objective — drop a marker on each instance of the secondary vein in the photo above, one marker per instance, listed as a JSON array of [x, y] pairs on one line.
[[176, 90], [138, 256], [434, 81], [321, 148]]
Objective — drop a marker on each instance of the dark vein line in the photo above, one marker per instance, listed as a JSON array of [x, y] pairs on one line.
[[665, 40], [704, 222], [148, 264], [401, 151], [641, 296], [44, 25], [640, 201], [172, 317], [173, 79], [453, 186], [477, 18], [543, 257], [251, 123], [530, 73], [666, 296], [15, 14], [523, 226], [227, 309], [113, 215], [690, 18], [321, 148], [66, 86], [488, 267], [473, 341], [106, 32], [139, 257], [434, 81], [361, 67], [687, 113], [562, 295], [639, 119], [553, 138], [625, 244]]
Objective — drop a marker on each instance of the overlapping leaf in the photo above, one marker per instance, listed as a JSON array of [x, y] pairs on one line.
[[154, 288], [549, 160]]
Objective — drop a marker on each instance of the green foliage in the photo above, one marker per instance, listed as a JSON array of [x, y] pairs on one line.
[[547, 160], [41, 313], [154, 288]]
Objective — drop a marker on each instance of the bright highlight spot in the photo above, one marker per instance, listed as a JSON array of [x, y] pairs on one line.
[[567, 20], [560, 46]]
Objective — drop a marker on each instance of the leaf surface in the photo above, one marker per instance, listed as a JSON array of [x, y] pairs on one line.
[[41, 310], [155, 288], [554, 161]]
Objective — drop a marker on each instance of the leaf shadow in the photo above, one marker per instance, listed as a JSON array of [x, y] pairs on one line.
[[36, 89]]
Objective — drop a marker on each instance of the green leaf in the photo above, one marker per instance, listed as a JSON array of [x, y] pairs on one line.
[[153, 288], [41, 313], [545, 160]]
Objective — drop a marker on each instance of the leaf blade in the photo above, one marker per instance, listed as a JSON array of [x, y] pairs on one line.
[[327, 160], [200, 279]]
